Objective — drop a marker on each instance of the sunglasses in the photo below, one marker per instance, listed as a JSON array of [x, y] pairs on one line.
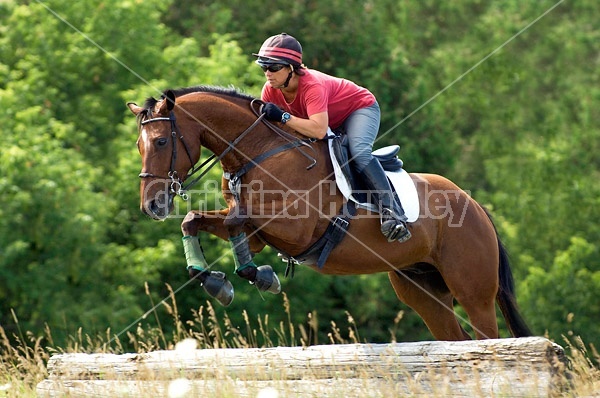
[[273, 68]]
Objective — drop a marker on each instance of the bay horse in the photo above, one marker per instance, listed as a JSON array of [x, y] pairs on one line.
[[278, 189]]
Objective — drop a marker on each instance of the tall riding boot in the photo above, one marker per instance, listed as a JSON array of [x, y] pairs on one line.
[[393, 224]]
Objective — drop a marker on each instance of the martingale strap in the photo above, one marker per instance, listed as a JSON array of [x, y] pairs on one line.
[[235, 178], [214, 159]]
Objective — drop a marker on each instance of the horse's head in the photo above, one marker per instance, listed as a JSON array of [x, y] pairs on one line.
[[166, 157]]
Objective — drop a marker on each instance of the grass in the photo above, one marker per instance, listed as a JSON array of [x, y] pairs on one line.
[[23, 357]]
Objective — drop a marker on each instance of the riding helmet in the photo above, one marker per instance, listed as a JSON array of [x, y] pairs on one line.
[[280, 49]]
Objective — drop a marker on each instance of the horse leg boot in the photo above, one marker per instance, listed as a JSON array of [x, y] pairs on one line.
[[263, 277], [393, 224], [215, 283]]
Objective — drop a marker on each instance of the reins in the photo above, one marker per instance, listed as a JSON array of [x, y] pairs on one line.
[[178, 188], [285, 135]]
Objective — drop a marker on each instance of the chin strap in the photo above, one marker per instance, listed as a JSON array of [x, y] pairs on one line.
[[287, 81]]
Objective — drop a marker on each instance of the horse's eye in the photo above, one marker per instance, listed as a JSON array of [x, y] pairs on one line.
[[161, 142]]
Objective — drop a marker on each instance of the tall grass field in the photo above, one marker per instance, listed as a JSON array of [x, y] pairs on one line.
[[24, 356]]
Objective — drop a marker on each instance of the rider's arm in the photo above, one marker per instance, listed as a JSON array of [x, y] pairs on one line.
[[314, 127]]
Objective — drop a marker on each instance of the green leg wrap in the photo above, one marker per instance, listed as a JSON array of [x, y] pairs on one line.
[[193, 253], [241, 252]]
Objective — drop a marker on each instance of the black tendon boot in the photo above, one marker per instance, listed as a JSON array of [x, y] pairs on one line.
[[393, 225]]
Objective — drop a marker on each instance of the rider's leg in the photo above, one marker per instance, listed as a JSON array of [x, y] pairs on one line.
[[263, 277], [215, 283], [362, 127], [393, 224]]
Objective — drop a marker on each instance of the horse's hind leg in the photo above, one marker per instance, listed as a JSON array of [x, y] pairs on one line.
[[477, 296], [427, 293]]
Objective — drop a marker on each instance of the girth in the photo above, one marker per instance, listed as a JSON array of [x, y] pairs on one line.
[[319, 251]]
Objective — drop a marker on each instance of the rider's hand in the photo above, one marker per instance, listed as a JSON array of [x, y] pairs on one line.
[[272, 112]]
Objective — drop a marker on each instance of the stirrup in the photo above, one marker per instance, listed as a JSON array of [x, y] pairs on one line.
[[393, 228]]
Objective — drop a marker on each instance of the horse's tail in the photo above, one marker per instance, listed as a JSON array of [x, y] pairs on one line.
[[505, 297]]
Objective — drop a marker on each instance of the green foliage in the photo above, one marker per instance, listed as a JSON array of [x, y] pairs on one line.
[[515, 122], [563, 299]]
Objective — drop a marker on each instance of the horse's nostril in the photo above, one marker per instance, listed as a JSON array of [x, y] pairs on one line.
[[148, 207], [159, 207]]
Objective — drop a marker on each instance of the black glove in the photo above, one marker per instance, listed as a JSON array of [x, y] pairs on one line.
[[272, 112]]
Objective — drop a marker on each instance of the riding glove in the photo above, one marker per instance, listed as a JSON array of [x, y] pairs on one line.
[[272, 112]]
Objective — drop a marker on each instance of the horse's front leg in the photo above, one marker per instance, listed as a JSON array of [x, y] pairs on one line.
[[214, 222], [215, 283], [263, 277]]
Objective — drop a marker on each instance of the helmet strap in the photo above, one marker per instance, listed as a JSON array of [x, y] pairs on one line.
[[287, 81]]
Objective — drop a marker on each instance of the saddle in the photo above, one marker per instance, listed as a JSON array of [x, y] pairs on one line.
[[387, 157], [336, 231]]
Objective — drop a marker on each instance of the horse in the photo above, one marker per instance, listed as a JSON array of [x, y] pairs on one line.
[[279, 191]]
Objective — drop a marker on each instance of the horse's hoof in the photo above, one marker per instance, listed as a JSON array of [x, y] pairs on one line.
[[217, 286], [267, 280]]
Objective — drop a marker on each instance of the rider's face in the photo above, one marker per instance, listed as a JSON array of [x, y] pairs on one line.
[[276, 78]]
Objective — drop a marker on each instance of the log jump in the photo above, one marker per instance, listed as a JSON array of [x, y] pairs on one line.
[[529, 367]]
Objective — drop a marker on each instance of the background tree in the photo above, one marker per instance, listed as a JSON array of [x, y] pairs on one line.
[[520, 132]]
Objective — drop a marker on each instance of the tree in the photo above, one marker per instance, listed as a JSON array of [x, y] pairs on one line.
[[71, 233], [520, 131], [562, 299]]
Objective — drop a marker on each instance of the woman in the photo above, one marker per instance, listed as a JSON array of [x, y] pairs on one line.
[[310, 101]]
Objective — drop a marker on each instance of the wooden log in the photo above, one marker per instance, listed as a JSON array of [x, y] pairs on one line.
[[509, 367]]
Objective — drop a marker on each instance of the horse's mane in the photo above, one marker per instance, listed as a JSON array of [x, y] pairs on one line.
[[228, 91]]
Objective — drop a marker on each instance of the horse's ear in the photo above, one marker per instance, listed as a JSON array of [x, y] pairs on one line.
[[134, 108], [168, 102]]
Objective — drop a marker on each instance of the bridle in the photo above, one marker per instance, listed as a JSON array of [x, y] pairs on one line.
[[178, 188]]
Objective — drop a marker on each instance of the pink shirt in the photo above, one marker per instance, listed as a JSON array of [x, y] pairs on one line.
[[319, 92]]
